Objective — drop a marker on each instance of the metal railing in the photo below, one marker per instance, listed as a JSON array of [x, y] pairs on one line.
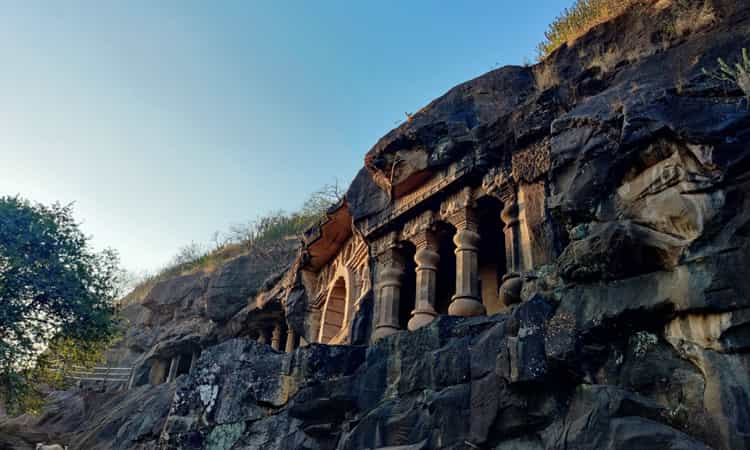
[[99, 373]]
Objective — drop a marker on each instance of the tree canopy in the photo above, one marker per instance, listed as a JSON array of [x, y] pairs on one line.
[[57, 297]]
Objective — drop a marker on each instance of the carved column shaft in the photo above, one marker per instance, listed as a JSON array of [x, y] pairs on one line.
[[276, 337], [388, 293], [263, 336], [290, 338], [500, 185], [512, 231], [193, 360], [427, 259], [173, 369], [466, 302]]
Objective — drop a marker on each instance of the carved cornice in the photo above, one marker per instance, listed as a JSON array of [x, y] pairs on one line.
[[499, 184]]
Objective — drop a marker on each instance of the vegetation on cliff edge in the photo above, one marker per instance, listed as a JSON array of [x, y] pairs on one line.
[[266, 235]]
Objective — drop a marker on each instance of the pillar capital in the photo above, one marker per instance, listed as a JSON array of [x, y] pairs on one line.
[[464, 219], [427, 257], [509, 214], [384, 247], [458, 209], [419, 230], [466, 239]]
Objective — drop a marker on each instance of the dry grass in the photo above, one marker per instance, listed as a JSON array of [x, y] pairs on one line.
[[690, 20], [545, 76], [579, 19], [205, 263], [608, 60], [689, 16]]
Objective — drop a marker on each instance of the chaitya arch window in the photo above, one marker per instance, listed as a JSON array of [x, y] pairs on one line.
[[334, 312]]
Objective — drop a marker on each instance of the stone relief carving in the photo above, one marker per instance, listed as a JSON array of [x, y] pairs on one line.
[[531, 163], [652, 219], [417, 226], [499, 184], [456, 203], [387, 242], [352, 258], [675, 196]]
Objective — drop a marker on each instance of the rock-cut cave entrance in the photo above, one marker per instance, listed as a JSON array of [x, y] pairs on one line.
[[491, 253], [408, 292], [446, 274]]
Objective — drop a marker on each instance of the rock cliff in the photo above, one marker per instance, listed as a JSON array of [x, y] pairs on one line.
[[636, 337]]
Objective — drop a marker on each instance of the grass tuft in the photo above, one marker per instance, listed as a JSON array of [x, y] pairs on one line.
[[575, 21]]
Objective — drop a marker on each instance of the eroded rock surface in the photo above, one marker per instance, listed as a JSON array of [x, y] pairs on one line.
[[458, 383], [633, 334]]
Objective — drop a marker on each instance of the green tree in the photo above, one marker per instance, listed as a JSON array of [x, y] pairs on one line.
[[57, 299]]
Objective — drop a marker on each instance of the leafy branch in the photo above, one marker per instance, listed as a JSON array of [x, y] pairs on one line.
[[737, 74]]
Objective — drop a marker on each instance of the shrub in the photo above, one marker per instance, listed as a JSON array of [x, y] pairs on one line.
[[737, 74], [690, 19], [575, 21], [268, 237]]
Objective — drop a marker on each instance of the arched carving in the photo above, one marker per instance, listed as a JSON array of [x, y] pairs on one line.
[[340, 285], [334, 311]]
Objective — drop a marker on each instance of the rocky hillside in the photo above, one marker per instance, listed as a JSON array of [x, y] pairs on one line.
[[637, 337]]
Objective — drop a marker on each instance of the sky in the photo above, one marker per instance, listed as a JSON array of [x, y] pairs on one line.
[[167, 121]]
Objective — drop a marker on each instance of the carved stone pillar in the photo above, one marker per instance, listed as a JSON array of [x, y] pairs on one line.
[[427, 259], [467, 301], [193, 360], [290, 338], [159, 372], [263, 336], [173, 369], [512, 231], [389, 270], [501, 186], [276, 337]]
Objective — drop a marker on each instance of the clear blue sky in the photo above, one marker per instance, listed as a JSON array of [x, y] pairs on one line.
[[166, 121]]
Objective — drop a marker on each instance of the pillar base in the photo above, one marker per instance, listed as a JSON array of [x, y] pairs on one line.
[[420, 318], [382, 331], [466, 307], [510, 290]]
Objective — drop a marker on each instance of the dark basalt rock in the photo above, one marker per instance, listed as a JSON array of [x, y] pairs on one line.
[[362, 323], [364, 196], [634, 336], [242, 278], [457, 383]]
